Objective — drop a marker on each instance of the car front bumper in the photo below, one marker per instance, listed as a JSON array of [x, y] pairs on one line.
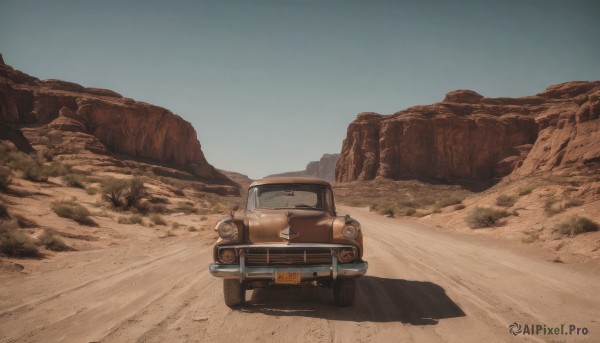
[[307, 273]]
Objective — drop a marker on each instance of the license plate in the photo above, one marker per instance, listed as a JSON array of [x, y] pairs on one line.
[[288, 278]]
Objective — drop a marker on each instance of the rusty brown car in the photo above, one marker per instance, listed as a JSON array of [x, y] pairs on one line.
[[289, 234]]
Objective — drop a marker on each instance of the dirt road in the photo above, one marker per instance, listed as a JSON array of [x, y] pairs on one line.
[[423, 285]]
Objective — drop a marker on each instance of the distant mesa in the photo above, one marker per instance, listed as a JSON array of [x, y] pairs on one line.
[[468, 137], [323, 168], [100, 121]]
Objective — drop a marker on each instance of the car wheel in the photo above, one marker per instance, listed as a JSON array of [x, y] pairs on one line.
[[234, 293], [343, 291]]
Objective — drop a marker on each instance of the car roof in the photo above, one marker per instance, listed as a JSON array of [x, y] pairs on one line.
[[290, 180]]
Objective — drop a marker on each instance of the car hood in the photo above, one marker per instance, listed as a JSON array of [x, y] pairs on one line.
[[294, 226]]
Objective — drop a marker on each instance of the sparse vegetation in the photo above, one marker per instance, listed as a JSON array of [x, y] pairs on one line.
[[192, 229], [24, 222], [133, 219], [157, 219], [5, 177], [124, 194], [4, 211], [113, 191], [186, 207], [14, 243], [530, 237], [576, 225], [526, 190], [52, 241], [448, 200], [505, 200], [459, 207], [175, 225], [92, 190], [482, 217], [74, 180], [574, 203], [72, 210], [550, 209]]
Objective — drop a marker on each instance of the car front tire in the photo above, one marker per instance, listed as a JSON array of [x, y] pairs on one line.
[[233, 292], [344, 291]]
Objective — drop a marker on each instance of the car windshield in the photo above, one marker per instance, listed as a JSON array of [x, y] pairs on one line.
[[287, 196]]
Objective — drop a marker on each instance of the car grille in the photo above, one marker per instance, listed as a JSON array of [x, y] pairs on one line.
[[261, 257]]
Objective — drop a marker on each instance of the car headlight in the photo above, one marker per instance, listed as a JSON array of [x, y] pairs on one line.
[[227, 230], [227, 255], [346, 255], [350, 232]]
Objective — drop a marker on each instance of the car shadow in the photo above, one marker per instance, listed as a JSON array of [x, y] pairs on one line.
[[377, 300]]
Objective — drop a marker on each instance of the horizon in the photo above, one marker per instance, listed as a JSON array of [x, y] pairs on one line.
[[273, 85]]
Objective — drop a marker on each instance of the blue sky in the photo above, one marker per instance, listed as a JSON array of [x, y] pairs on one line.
[[272, 85]]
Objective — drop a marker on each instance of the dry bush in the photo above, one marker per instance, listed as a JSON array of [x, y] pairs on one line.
[[4, 214], [158, 219], [92, 190], [448, 200], [203, 218], [192, 229], [482, 217], [113, 191], [52, 241], [186, 207], [526, 190], [74, 180], [135, 192], [530, 237], [175, 225], [24, 222], [459, 207], [134, 219], [506, 200], [72, 210], [574, 202], [550, 209], [5, 177], [576, 225], [14, 243]]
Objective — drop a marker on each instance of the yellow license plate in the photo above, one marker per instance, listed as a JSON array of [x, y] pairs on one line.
[[288, 278]]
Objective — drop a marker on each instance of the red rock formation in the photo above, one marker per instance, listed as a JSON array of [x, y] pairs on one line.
[[324, 168], [116, 124], [470, 137]]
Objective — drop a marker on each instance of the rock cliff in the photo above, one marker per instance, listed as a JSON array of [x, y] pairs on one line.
[[324, 168], [468, 137], [105, 121]]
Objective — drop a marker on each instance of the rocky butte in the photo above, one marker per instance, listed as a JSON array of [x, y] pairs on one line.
[[468, 137], [324, 168], [101, 122]]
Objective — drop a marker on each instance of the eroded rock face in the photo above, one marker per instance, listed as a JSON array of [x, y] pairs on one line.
[[470, 137], [117, 124], [324, 168]]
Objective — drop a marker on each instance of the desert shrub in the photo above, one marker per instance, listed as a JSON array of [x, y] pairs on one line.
[[178, 192], [56, 168], [4, 214], [74, 180], [91, 190], [550, 209], [481, 217], [526, 190], [158, 208], [24, 222], [135, 192], [192, 229], [158, 219], [574, 203], [52, 241], [459, 207], [186, 207], [529, 238], [576, 225], [506, 200], [14, 243], [31, 168], [203, 218], [410, 211], [5, 177], [113, 190], [175, 225], [72, 210], [134, 219], [448, 201]]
